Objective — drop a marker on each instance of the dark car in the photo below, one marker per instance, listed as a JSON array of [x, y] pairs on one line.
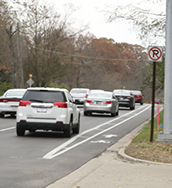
[[125, 98], [138, 96]]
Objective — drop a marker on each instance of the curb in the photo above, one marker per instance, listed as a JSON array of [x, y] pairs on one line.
[[121, 152]]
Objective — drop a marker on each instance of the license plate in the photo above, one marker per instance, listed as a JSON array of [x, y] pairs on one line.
[[42, 110], [98, 102], [14, 107]]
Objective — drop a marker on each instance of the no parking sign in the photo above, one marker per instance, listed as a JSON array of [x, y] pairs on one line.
[[155, 53]]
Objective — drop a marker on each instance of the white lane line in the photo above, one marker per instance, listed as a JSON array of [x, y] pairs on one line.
[[56, 152], [64, 145], [7, 129], [83, 133], [110, 135]]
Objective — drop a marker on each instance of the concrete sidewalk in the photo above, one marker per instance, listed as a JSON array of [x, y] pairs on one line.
[[114, 169]]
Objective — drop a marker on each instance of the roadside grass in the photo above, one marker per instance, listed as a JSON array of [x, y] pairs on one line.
[[144, 135], [142, 148]]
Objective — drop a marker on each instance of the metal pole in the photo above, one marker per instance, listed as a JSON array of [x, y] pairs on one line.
[[168, 73], [153, 101]]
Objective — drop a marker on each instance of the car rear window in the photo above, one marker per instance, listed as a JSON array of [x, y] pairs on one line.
[[101, 95], [44, 96], [79, 91], [136, 92], [121, 92], [14, 93]]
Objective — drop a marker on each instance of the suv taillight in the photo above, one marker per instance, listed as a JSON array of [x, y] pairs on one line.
[[24, 103], [60, 104], [86, 95]]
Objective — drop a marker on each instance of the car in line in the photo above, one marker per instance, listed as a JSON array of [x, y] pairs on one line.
[[125, 98], [47, 109], [79, 94], [95, 90], [101, 102], [157, 101], [9, 101], [138, 96]]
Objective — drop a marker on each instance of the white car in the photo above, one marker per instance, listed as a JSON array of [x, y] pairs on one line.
[[79, 94], [9, 101], [47, 109]]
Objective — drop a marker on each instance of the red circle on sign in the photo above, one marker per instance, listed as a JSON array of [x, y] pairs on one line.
[[156, 55]]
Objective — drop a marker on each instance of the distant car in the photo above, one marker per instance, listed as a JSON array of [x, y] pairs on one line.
[[95, 90], [138, 96], [79, 94], [47, 109], [157, 101], [101, 102], [9, 101], [125, 98]]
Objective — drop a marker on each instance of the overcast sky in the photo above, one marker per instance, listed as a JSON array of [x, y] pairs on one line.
[[88, 12]]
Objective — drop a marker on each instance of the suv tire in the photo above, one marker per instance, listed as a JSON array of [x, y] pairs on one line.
[[1, 115], [69, 130], [20, 132], [76, 129]]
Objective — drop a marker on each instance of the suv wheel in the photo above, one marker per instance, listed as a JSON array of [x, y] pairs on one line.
[[85, 113], [1, 115], [68, 131], [76, 129], [20, 132]]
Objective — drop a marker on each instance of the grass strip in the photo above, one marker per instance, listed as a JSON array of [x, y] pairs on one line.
[[142, 148]]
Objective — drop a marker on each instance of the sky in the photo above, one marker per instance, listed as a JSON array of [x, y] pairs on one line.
[[88, 12]]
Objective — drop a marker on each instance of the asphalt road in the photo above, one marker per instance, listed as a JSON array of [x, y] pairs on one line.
[[39, 159]]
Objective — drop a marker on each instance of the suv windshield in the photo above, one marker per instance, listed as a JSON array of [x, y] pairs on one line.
[[44, 96]]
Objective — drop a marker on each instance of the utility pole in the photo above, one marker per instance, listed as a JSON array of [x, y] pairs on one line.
[[167, 132], [19, 56]]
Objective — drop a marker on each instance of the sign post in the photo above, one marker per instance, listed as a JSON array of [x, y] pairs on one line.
[[154, 55]]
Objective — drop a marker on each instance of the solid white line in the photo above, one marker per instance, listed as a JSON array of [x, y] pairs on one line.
[[7, 129], [56, 152]]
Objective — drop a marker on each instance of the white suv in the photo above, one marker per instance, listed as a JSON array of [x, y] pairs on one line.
[[47, 109]]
